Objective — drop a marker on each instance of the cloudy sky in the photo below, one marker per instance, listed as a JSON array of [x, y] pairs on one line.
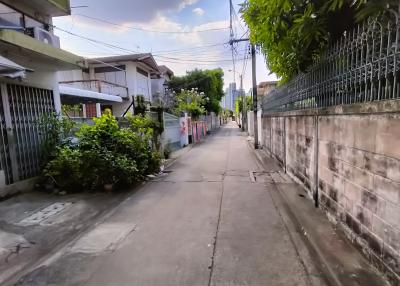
[[182, 34]]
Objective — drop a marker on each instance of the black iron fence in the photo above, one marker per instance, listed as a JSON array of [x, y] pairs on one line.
[[363, 66]]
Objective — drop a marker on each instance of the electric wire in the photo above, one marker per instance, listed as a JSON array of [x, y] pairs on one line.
[[148, 30], [171, 59]]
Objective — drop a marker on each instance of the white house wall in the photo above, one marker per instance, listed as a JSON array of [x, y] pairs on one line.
[[117, 77], [157, 86], [72, 75], [143, 86]]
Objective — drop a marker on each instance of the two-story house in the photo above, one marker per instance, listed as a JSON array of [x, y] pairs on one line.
[[116, 80], [30, 59]]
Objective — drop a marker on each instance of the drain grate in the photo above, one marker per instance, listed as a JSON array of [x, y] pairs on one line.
[[269, 177], [44, 214]]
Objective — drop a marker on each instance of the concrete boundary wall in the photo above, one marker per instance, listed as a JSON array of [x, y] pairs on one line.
[[348, 160]]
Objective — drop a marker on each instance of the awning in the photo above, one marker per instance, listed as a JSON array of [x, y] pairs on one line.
[[10, 69], [83, 95]]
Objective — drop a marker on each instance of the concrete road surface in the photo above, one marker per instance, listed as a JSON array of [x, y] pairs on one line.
[[209, 221]]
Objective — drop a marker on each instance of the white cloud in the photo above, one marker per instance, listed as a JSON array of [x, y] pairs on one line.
[[159, 23], [122, 11], [212, 25], [198, 11], [186, 3]]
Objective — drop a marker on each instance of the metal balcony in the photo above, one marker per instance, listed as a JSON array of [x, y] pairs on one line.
[[100, 86]]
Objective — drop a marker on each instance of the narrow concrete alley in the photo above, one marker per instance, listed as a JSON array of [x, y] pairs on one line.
[[209, 220]]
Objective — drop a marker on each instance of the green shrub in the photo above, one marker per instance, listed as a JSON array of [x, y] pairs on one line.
[[54, 130], [146, 127], [65, 168], [105, 154]]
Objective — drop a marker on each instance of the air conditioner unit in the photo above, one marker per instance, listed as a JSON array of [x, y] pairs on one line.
[[44, 36]]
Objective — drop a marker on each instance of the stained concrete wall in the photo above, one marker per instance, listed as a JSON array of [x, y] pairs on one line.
[[300, 149], [350, 156]]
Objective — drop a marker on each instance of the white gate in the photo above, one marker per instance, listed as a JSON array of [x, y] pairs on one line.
[[172, 131]]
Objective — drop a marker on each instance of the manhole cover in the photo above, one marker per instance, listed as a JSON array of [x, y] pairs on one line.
[[44, 214], [105, 237]]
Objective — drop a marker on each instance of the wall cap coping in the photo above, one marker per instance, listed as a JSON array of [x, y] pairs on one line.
[[384, 106]]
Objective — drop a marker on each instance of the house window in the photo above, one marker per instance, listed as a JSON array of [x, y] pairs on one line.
[[142, 72], [109, 69], [9, 18], [13, 19]]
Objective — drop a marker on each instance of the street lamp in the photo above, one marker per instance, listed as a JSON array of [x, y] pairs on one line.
[[244, 107]]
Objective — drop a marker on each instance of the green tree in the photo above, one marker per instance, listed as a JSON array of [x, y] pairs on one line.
[[294, 33], [239, 104], [190, 101], [208, 82]]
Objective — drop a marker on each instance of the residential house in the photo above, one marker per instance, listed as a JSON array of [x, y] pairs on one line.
[[30, 59], [264, 88], [159, 86], [109, 82]]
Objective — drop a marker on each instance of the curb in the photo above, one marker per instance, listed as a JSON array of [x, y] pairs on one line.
[[333, 270], [322, 266]]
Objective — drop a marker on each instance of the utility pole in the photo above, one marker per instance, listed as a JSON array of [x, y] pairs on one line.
[[254, 79], [231, 37], [255, 104], [243, 104], [253, 60]]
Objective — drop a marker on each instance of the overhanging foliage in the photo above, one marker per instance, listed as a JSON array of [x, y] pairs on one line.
[[294, 33]]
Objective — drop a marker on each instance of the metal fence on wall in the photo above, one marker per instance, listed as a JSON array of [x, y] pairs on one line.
[[362, 66]]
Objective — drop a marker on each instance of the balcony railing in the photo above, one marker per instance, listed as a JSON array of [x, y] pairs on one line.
[[100, 86]]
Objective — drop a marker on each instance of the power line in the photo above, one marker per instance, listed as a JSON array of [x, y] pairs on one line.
[[245, 58], [95, 41], [195, 61], [160, 58], [192, 50], [150, 31], [205, 54], [186, 63], [100, 42], [238, 20], [107, 64]]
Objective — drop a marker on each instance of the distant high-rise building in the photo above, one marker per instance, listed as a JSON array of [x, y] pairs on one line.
[[231, 93]]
